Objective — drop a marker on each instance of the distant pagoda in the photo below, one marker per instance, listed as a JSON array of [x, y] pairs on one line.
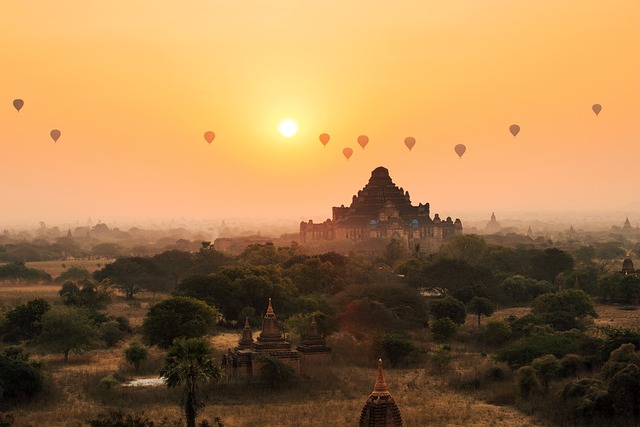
[[380, 410], [493, 226]]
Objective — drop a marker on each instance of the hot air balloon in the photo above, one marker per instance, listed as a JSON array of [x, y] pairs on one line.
[[409, 142], [324, 138], [17, 104], [55, 134], [460, 149], [347, 152], [209, 136], [595, 107], [363, 140], [514, 129]]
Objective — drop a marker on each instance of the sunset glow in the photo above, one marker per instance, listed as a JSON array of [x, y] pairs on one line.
[[132, 87]]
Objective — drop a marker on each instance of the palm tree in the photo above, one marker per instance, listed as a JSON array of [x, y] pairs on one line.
[[189, 361]]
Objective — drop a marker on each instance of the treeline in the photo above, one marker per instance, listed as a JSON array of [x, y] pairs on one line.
[[383, 301]]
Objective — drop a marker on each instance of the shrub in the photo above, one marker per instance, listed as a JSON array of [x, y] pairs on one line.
[[586, 399], [624, 390], [496, 332], [440, 358], [527, 381], [444, 330], [135, 354], [111, 333], [547, 368], [526, 349], [620, 359], [571, 365], [24, 322], [20, 377], [397, 348], [120, 419], [109, 382], [448, 307]]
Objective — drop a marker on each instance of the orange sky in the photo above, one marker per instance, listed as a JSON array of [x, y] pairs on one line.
[[134, 85]]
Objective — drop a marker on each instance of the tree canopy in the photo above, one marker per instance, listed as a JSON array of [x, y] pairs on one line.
[[177, 317]]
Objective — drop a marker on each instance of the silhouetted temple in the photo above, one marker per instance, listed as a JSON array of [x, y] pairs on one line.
[[246, 357], [493, 226], [313, 348], [382, 210], [380, 410]]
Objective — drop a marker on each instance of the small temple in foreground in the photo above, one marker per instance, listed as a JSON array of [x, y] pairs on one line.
[[381, 210], [380, 409], [245, 359]]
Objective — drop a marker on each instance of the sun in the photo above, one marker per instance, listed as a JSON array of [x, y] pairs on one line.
[[288, 128]]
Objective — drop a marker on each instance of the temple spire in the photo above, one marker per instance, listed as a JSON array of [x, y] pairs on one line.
[[270, 309], [380, 388]]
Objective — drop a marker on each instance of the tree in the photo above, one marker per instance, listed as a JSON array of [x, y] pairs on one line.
[[66, 329], [397, 347], [89, 295], [175, 264], [177, 317], [381, 308], [136, 353], [481, 306], [454, 274], [214, 289], [130, 275], [190, 362], [24, 322], [520, 289], [394, 251], [18, 271], [469, 248], [106, 250], [548, 264], [111, 332], [207, 261], [448, 307], [73, 274], [20, 377], [573, 302], [629, 289], [444, 329]]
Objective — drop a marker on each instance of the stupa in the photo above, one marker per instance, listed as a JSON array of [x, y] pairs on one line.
[[380, 410]]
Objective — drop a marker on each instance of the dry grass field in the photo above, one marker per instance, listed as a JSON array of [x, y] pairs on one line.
[[333, 395], [56, 268]]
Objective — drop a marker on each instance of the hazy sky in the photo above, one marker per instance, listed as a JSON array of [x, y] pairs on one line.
[[134, 85]]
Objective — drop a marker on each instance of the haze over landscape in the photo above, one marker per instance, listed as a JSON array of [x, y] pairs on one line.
[[133, 87]]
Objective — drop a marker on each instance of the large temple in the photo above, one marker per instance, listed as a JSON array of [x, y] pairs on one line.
[[382, 210]]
